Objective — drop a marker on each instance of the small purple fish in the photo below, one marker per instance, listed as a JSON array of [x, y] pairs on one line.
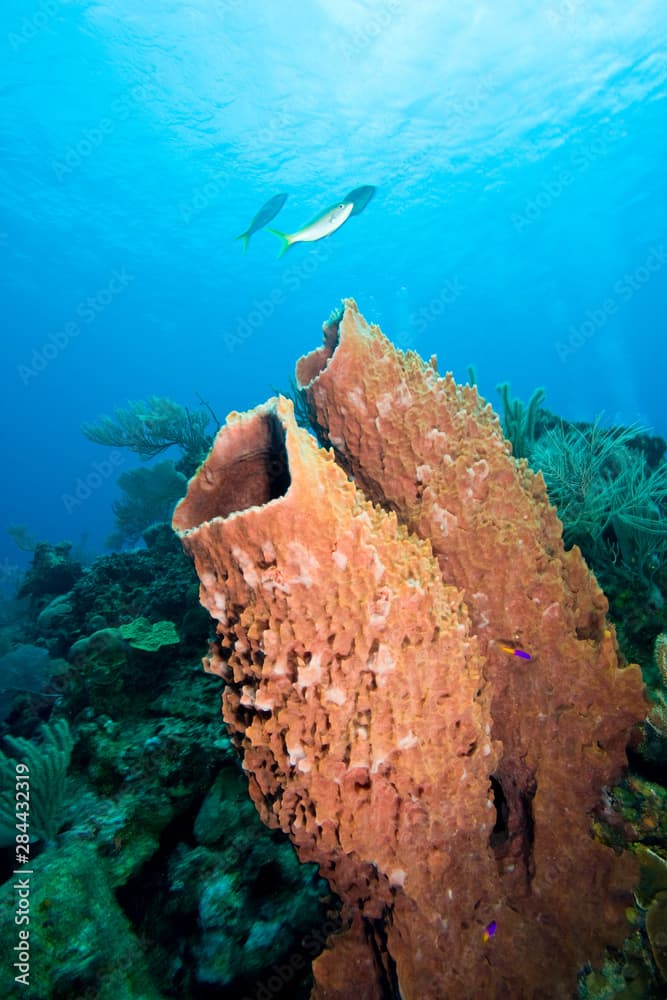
[[516, 652], [489, 931]]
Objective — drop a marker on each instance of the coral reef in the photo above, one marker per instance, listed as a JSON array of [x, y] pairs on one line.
[[661, 658], [153, 583], [190, 894], [149, 636], [22, 669], [149, 495], [52, 571], [602, 485], [609, 486], [235, 877], [520, 422], [654, 745], [656, 928], [439, 782], [45, 770], [22, 537], [148, 427], [67, 887]]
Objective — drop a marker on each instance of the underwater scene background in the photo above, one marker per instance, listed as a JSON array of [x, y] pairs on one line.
[[487, 182]]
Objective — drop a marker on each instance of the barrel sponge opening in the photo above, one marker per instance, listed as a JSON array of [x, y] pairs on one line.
[[246, 467]]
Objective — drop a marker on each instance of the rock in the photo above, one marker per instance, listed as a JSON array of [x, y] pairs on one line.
[[656, 928], [80, 942], [56, 616], [51, 571]]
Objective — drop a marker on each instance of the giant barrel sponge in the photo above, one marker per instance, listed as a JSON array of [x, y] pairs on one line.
[[363, 597]]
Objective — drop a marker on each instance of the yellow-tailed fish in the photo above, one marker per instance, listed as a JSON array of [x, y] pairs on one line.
[[360, 198], [267, 212], [323, 225]]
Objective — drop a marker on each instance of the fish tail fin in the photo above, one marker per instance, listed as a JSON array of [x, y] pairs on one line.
[[246, 239], [286, 242]]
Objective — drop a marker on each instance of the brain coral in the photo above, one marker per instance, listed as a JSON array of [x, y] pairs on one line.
[[362, 598]]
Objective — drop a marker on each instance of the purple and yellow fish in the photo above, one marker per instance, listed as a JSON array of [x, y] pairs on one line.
[[515, 651], [489, 931]]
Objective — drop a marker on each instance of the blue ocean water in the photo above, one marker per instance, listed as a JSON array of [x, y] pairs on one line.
[[519, 223]]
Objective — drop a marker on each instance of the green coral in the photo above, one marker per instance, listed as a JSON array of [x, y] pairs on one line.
[[654, 746], [303, 414], [656, 928], [582, 470], [150, 426], [47, 765], [601, 484], [22, 537], [150, 495], [81, 942], [653, 875], [141, 634], [519, 421], [227, 876]]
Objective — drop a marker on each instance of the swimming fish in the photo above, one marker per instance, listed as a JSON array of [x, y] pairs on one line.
[[516, 652], [267, 212], [323, 225], [360, 198], [489, 931]]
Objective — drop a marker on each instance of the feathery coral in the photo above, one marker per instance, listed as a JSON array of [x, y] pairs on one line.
[[148, 427], [47, 765]]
